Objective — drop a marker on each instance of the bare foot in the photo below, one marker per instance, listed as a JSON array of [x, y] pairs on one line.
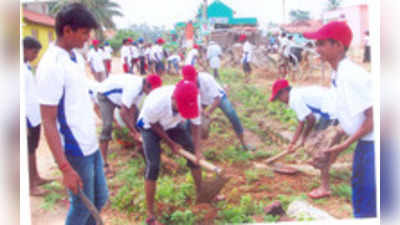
[[319, 193]]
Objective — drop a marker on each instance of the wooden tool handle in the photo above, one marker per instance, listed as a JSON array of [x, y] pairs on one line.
[[92, 209], [274, 158], [203, 163]]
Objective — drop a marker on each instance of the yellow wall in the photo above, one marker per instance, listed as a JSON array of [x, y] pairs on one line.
[[42, 36]]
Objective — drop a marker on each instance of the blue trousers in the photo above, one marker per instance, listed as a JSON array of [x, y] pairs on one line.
[[90, 169], [227, 107], [363, 180]]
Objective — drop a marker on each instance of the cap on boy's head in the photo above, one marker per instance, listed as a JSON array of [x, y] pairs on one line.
[[154, 80], [277, 86], [195, 46], [242, 37], [95, 42], [189, 73], [160, 41], [186, 96], [336, 30], [130, 40]]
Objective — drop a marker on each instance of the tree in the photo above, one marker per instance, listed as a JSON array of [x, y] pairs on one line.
[[333, 4], [103, 10], [299, 15]]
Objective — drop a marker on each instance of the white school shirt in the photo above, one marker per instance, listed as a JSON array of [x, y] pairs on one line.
[[190, 56], [157, 108], [31, 98], [134, 52], [125, 53], [247, 50], [209, 88], [95, 58], [306, 100], [123, 89], [62, 83], [157, 50], [174, 57], [353, 92], [107, 52], [213, 53], [93, 87]]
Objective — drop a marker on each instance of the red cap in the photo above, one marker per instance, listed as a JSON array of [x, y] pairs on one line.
[[189, 73], [278, 85], [242, 37], [154, 80], [335, 30], [186, 95], [195, 46], [95, 42], [130, 40], [160, 41]]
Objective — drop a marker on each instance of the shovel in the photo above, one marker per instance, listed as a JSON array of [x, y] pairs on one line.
[[280, 168], [92, 209], [209, 189]]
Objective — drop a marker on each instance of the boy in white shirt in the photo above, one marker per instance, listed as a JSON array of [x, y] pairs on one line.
[[67, 113], [212, 95], [213, 53], [31, 50], [309, 105], [107, 57], [96, 61], [126, 55], [353, 107], [134, 56], [174, 59], [124, 92], [247, 54], [163, 114], [157, 54], [192, 56]]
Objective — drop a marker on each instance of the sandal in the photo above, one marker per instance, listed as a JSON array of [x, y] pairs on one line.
[[318, 193], [152, 221]]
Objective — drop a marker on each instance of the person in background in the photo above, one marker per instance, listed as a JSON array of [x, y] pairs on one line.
[[126, 55], [367, 48], [97, 61], [157, 53], [141, 49], [31, 50], [134, 56], [67, 113], [174, 60], [247, 54], [214, 53], [108, 57]]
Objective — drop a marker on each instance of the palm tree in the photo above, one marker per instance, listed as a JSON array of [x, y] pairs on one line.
[[103, 10]]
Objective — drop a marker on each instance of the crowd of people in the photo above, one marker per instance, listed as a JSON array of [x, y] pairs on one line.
[[63, 100]]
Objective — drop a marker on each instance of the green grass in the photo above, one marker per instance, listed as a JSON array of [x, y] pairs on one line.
[[54, 195], [343, 191]]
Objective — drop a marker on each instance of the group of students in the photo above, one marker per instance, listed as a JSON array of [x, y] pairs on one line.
[[99, 59], [173, 113]]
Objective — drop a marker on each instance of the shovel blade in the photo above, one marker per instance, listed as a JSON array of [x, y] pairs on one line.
[[210, 189]]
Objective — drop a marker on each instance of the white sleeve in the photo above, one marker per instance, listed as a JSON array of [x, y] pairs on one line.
[[50, 84], [212, 87], [151, 115]]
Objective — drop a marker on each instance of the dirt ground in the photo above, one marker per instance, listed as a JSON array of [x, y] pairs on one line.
[[299, 183]]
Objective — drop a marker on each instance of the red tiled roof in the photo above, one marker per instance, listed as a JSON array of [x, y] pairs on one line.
[[303, 26], [35, 17]]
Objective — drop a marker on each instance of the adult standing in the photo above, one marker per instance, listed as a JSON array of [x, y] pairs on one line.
[[353, 107], [67, 113]]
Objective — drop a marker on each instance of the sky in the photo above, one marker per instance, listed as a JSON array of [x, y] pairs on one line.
[[168, 12]]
